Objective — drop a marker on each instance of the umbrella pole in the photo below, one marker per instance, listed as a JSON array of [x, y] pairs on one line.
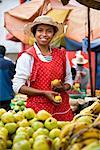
[[89, 54]]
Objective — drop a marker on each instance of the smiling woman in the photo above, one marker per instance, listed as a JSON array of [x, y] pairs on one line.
[[39, 66]]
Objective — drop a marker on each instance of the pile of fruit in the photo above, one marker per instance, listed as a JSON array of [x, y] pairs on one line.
[[18, 102], [27, 130]]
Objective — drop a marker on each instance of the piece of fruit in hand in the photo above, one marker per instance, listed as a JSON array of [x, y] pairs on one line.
[[58, 99], [55, 82]]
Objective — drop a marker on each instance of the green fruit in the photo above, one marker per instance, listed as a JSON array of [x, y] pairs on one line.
[[2, 111], [43, 115], [1, 124], [51, 123], [42, 142], [40, 131], [29, 131], [20, 102], [29, 113], [54, 133], [19, 116], [3, 131], [20, 129], [16, 108], [22, 145], [36, 125], [22, 108], [18, 138], [11, 127], [7, 117], [32, 121], [23, 123]]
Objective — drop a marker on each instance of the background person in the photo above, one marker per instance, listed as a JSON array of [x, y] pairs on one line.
[[82, 73], [7, 71], [41, 64]]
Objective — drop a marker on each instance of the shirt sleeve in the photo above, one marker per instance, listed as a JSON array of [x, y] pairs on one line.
[[23, 71], [68, 78]]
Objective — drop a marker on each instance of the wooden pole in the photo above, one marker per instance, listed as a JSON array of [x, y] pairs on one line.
[[89, 54]]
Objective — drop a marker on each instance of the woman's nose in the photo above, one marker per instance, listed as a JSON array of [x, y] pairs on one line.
[[44, 33]]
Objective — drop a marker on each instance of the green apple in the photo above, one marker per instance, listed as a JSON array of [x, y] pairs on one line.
[[29, 113], [19, 116], [11, 127], [19, 137], [40, 131], [50, 123], [16, 108], [57, 143], [1, 124], [32, 121], [23, 123], [20, 102], [2, 111], [36, 125], [3, 131], [29, 131], [54, 133], [43, 115], [42, 142], [20, 129], [7, 117], [22, 107], [22, 145]]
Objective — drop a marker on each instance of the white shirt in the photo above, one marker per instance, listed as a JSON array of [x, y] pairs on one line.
[[24, 68]]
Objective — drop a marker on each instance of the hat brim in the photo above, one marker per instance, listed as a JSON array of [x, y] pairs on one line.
[[74, 61]]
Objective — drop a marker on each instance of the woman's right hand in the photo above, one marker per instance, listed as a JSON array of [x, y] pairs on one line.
[[51, 95]]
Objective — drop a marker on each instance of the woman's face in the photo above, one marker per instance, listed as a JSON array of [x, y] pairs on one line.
[[44, 34]]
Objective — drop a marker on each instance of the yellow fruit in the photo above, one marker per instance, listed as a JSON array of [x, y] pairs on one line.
[[43, 115], [58, 99], [55, 82]]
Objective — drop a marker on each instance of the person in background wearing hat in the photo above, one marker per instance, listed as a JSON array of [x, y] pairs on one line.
[[39, 66], [82, 73]]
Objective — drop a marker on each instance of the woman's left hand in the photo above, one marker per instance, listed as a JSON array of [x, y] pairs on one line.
[[58, 88]]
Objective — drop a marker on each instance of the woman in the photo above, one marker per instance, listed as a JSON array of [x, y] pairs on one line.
[[39, 66]]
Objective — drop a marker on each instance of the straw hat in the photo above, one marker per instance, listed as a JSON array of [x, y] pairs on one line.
[[31, 27], [90, 3], [79, 60]]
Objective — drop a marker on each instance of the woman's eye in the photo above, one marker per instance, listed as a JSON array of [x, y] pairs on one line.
[[39, 30]]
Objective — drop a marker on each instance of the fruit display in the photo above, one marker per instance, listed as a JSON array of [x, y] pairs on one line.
[[18, 102], [97, 92], [28, 130]]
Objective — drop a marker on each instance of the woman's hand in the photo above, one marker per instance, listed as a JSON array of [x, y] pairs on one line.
[[58, 87], [51, 96]]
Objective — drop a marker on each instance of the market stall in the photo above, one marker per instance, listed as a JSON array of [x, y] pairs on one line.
[[27, 130]]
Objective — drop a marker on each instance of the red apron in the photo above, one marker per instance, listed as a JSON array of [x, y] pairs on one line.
[[42, 75]]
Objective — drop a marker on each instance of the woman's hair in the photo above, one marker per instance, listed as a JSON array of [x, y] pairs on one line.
[[2, 50], [35, 27]]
